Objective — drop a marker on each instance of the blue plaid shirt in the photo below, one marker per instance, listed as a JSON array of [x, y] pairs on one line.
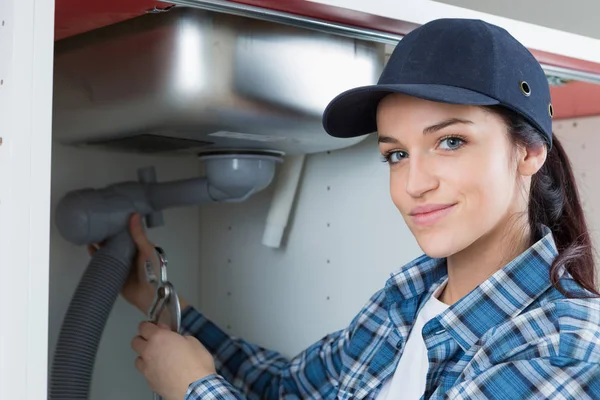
[[513, 337]]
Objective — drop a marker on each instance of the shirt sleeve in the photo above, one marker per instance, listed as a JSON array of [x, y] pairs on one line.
[[540, 378], [212, 387], [259, 373]]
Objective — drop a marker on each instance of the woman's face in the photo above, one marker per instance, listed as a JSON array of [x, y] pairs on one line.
[[453, 172]]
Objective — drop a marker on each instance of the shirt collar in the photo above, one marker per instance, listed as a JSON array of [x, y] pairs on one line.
[[501, 297]]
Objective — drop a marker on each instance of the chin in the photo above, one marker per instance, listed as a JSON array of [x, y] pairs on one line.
[[438, 242]]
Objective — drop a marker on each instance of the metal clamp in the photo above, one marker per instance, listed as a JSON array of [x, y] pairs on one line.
[[166, 296]]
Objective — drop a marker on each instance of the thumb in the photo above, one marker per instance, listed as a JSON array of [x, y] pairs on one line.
[[136, 229]]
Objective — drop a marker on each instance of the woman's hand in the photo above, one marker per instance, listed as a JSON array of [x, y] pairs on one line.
[[137, 290], [170, 362]]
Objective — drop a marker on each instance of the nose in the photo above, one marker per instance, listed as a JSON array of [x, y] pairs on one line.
[[421, 178]]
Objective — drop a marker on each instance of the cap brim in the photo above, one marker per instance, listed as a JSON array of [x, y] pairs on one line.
[[354, 112]]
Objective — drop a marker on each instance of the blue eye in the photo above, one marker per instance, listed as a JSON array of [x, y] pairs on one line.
[[394, 157], [452, 142]]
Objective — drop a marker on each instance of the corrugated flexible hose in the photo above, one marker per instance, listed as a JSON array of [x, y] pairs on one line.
[[86, 317]]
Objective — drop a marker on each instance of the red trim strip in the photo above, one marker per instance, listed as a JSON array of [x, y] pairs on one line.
[[73, 17], [566, 62], [575, 99]]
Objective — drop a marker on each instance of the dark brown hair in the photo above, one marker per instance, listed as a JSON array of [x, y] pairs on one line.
[[554, 201]]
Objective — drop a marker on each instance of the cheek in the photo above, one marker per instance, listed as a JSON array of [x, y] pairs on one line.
[[398, 191], [486, 188]]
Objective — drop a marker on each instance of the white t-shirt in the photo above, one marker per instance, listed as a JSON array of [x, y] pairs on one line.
[[408, 382]]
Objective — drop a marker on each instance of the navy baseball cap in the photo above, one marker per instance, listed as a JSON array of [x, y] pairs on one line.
[[456, 61]]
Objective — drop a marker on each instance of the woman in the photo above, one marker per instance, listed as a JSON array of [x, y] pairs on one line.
[[503, 305]]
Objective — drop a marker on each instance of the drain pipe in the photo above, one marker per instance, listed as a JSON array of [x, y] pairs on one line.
[[84, 322], [286, 185], [91, 216]]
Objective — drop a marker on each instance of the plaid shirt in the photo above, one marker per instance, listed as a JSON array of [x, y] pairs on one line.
[[513, 337]]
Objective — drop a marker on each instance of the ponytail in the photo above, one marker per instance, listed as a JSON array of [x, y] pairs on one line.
[[554, 201]]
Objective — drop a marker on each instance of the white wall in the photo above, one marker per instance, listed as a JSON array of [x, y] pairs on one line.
[[345, 239], [26, 44], [581, 139], [115, 376]]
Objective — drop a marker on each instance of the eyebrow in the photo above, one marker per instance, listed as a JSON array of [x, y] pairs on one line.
[[430, 129]]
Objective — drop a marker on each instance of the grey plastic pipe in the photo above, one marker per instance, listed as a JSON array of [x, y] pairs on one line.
[[84, 322]]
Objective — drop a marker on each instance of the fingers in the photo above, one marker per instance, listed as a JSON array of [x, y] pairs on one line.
[[139, 345], [138, 233], [147, 330]]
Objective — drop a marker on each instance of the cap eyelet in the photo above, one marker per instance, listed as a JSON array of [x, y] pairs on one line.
[[525, 88], [550, 110]]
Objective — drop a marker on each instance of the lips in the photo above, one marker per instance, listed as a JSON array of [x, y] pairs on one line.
[[430, 208], [430, 214]]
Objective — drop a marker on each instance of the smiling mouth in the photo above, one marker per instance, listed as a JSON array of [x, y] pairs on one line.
[[433, 216]]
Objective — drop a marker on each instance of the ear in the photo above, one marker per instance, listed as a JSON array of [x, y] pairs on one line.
[[531, 159]]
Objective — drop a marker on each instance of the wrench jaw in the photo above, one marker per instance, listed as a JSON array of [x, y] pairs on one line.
[[166, 300], [157, 307], [174, 309]]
